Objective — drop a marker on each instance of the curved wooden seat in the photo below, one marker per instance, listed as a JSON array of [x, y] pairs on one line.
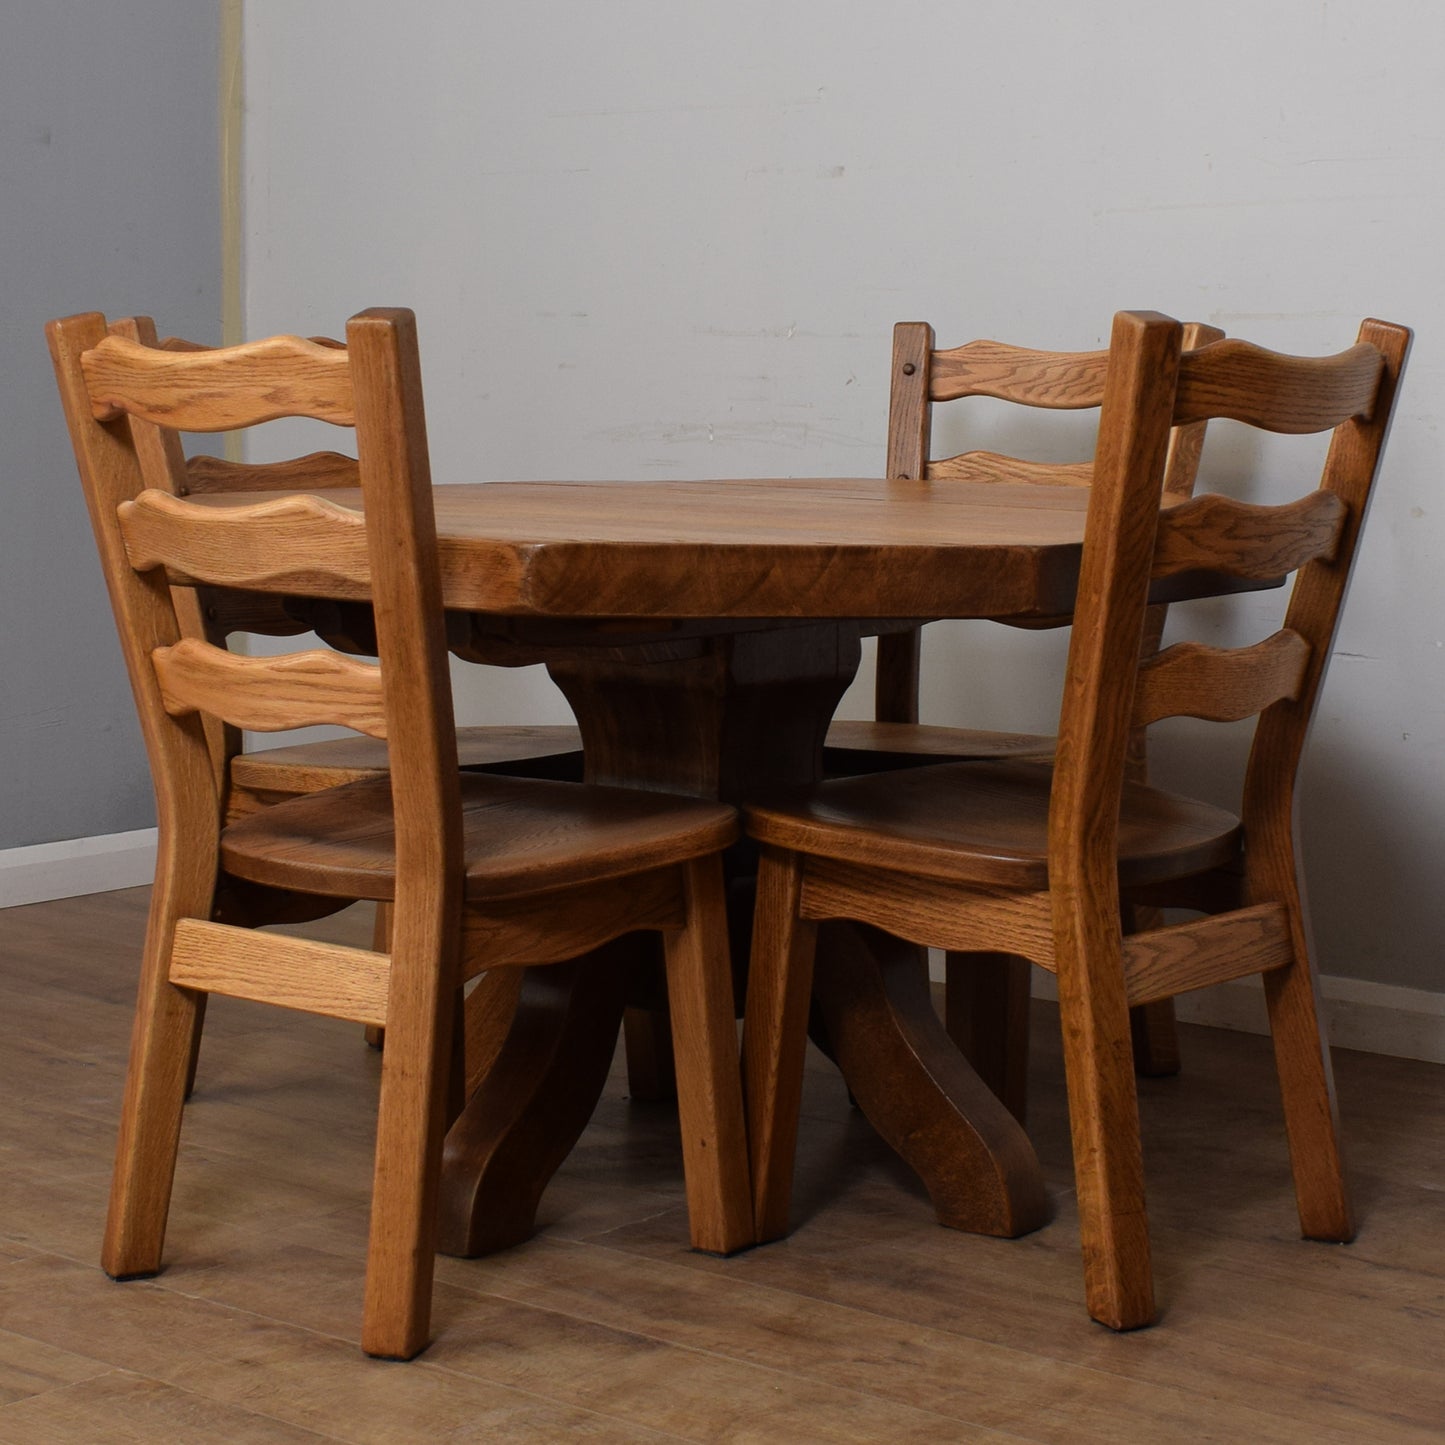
[[520, 836], [862, 745], [309, 767], [988, 823]]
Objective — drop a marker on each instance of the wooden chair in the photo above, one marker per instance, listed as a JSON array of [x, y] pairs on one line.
[[1037, 861], [255, 779], [479, 871], [987, 999]]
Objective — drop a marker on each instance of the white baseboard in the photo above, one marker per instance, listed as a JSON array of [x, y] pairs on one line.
[[76, 865], [1376, 1018]]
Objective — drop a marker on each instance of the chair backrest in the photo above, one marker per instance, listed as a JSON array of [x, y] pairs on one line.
[[126, 399], [1152, 385], [1052, 380]]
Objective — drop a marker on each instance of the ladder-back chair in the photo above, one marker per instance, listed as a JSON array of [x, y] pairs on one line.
[[480, 871], [1036, 860], [987, 998], [254, 779]]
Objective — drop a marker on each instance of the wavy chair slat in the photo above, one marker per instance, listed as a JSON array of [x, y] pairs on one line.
[[234, 386], [1059, 380], [1275, 392], [1246, 540], [317, 471], [271, 694], [299, 542], [1220, 684], [995, 467]]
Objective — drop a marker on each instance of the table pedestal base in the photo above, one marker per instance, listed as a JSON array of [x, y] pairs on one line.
[[717, 717]]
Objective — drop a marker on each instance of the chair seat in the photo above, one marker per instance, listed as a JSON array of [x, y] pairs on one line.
[[308, 767], [985, 823], [521, 837], [859, 746]]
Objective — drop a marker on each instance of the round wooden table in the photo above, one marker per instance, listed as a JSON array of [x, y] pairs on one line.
[[703, 633]]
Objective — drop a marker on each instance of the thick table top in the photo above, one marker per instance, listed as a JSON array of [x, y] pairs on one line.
[[775, 548], [762, 548]]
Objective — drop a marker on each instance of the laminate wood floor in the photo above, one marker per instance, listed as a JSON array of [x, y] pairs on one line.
[[869, 1324]]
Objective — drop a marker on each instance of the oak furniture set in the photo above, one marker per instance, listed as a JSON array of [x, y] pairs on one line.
[[703, 634]]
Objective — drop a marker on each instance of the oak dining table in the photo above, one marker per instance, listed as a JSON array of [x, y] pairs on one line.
[[703, 633]]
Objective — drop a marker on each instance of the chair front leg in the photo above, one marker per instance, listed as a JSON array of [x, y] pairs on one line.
[[709, 1089], [411, 1119], [775, 1035], [163, 1043], [1103, 1115]]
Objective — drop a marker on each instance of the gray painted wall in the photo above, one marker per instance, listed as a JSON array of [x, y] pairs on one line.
[[109, 179]]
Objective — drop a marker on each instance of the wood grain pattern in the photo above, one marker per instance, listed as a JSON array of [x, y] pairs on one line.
[[274, 773], [317, 471], [215, 390], [931, 911], [1184, 956], [320, 978], [1220, 684], [1249, 540], [1055, 379], [550, 928], [271, 694], [709, 1085], [1277, 393], [995, 467], [301, 542]]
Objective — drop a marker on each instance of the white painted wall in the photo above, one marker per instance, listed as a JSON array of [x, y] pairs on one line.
[[659, 238]]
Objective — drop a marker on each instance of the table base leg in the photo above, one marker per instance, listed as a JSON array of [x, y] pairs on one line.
[[531, 1108], [917, 1091]]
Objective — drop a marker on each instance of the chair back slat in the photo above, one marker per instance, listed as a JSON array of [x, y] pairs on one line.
[[996, 467], [297, 543], [217, 390], [1290, 394], [1110, 688], [1220, 684], [271, 694], [1246, 540], [1067, 380], [1058, 380], [315, 472]]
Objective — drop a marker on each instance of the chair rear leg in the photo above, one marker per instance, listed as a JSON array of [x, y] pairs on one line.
[[775, 1036], [1104, 1121], [709, 1088], [380, 943], [986, 1013], [1152, 1025], [1307, 1088], [411, 1120], [167, 1025]]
